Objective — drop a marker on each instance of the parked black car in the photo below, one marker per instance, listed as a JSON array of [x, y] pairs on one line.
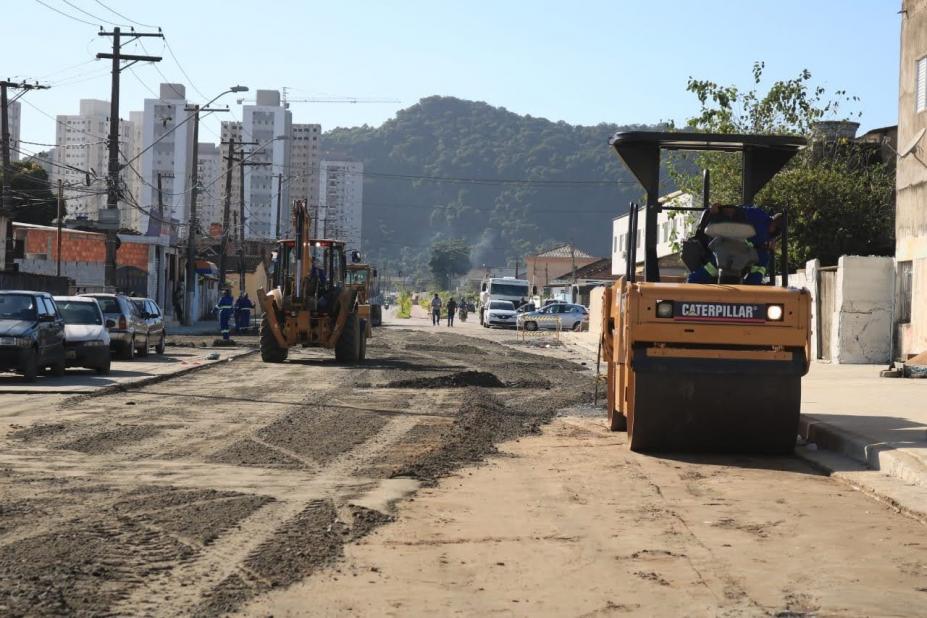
[[31, 334], [150, 313]]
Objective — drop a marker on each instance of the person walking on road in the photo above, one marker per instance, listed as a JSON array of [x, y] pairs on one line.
[[243, 307], [225, 307], [436, 310], [177, 300], [451, 308]]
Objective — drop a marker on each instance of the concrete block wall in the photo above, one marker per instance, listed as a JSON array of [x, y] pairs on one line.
[[862, 326], [84, 274], [596, 299]]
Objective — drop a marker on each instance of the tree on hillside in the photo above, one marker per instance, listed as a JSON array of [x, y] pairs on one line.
[[31, 198], [839, 197], [449, 259]]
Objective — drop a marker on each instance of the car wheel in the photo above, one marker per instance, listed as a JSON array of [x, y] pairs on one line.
[[103, 368], [531, 325], [159, 349], [58, 369], [143, 351], [30, 368], [128, 352], [577, 326]]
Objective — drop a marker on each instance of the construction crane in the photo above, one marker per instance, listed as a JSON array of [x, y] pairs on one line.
[[286, 101]]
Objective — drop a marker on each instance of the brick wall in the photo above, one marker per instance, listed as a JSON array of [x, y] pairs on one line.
[[75, 246], [132, 254]]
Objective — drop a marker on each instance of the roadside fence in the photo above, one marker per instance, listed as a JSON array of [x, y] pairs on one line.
[[539, 326]]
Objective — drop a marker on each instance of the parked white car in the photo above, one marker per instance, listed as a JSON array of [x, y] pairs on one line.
[[499, 313], [86, 333], [566, 316]]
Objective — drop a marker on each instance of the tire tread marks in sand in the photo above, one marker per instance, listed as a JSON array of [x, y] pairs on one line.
[[311, 431], [86, 566], [312, 539], [111, 439]]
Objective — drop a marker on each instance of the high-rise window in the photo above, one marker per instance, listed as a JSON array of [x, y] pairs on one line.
[[920, 88]]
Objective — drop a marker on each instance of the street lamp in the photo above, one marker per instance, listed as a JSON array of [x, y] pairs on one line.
[[191, 230]]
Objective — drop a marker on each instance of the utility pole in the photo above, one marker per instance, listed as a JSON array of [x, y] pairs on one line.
[[159, 296], [279, 205], [223, 247], [191, 230], [7, 169], [110, 221], [60, 200], [242, 162]]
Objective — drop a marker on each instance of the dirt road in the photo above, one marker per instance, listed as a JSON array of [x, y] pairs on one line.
[[264, 489], [194, 495]]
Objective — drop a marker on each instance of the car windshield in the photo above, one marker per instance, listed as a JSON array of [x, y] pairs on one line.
[[108, 304], [508, 289], [502, 305], [17, 307], [80, 312]]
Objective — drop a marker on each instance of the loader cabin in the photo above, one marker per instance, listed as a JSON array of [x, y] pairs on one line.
[[327, 257], [704, 366]]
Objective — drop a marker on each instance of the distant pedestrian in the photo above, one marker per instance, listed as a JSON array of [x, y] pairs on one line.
[[243, 307], [225, 308], [451, 308], [177, 300], [436, 310]]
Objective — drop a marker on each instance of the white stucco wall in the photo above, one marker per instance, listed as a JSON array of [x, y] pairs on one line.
[[862, 324]]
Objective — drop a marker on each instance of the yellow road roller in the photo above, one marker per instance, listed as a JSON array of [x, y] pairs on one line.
[[713, 366]]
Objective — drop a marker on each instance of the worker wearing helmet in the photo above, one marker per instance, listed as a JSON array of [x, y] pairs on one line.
[[766, 229]]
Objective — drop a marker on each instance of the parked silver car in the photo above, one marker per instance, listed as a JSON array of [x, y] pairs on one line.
[[566, 316], [129, 333], [151, 314], [86, 334]]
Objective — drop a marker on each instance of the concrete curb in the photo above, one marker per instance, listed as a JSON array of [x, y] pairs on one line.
[[879, 456], [121, 388]]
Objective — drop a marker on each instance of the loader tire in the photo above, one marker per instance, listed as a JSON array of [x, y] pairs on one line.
[[271, 352], [347, 349], [617, 421]]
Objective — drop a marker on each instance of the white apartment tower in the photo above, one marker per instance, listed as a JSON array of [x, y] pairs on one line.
[[341, 201], [231, 130], [303, 173], [267, 123], [168, 137], [82, 149], [209, 177], [13, 118]]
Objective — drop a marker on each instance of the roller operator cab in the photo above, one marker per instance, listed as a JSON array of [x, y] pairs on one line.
[[713, 366], [310, 303]]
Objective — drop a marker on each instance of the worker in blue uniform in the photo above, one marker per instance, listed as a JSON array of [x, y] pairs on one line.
[[225, 307], [243, 307], [766, 228]]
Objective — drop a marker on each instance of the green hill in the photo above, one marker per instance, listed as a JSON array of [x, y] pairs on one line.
[[411, 200]]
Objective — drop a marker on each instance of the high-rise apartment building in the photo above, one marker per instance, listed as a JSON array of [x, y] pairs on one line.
[[267, 123], [82, 152], [209, 177], [13, 118], [166, 149], [302, 175], [341, 201]]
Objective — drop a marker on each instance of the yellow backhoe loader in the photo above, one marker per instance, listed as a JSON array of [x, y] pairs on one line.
[[310, 304], [711, 366]]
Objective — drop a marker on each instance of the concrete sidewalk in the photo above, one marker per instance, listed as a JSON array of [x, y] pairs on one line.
[[881, 423]]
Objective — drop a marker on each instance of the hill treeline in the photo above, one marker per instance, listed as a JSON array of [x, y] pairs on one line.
[[449, 168]]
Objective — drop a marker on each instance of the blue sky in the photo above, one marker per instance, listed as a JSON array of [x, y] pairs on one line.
[[623, 61]]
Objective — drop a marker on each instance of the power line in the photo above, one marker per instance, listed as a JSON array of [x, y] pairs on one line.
[[91, 15], [69, 16], [63, 124], [167, 45], [128, 19]]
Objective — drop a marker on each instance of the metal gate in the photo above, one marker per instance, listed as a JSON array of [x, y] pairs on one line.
[[132, 280], [827, 293]]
